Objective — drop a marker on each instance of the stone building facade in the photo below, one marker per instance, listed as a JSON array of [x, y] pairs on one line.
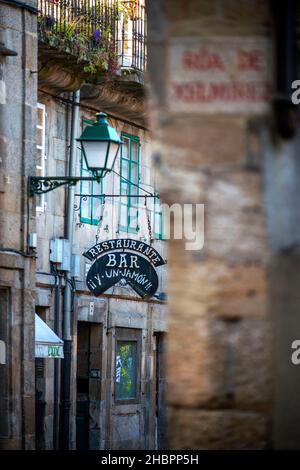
[[226, 136], [99, 323], [18, 98], [117, 333]]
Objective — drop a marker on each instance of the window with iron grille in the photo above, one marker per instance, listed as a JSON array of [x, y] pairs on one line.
[[129, 181], [90, 207], [157, 223]]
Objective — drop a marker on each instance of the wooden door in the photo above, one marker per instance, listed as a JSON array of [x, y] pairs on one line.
[[159, 394], [89, 340]]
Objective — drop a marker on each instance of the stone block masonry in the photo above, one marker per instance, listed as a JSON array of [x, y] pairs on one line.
[[219, 359], [17, 280]]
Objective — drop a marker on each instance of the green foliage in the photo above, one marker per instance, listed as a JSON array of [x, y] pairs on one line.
[[95, 48]]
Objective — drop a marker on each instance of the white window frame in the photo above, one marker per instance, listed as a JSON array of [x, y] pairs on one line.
[[42, 148]]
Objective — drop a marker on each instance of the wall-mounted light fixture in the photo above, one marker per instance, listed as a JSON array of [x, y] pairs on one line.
[[100, 145]]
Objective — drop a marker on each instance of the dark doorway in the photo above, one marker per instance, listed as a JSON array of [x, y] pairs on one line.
[[40, 403], [160, 383], [89, 340]]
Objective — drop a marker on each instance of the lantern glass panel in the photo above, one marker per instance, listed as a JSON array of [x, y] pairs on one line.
[[95, 154], [112, 153]]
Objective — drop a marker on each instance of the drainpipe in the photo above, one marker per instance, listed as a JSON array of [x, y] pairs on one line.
[[56, 363], [67, 362]]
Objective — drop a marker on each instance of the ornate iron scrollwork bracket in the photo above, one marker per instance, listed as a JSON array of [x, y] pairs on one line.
[[77, 204], [44, 184]]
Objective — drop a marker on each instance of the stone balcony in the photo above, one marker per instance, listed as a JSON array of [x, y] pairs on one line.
[[96, 45]]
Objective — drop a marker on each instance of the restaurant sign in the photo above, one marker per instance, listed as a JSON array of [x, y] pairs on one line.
[[123, 259]]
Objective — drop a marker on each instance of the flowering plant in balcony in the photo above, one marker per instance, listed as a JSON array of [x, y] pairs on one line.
[[95, 49], [131, 7]]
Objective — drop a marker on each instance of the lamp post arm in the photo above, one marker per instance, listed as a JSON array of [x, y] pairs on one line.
[[44, 184]]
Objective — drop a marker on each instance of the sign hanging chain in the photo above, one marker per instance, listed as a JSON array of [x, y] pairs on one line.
[[148, 221], [100, 219]]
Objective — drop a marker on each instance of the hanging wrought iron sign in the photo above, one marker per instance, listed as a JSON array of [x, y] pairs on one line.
[[130, 260]]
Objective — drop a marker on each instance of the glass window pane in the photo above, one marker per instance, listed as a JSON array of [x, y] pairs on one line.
[[123, 214], [134, 173], [124, 190], [96, 202], [125, 147], [85, 209], [157, 223], [126, 370], [133, 218], [131, 171], [125, 169], [86, 186], [97, 187], [134, 151], [134, 179], [96, 208]]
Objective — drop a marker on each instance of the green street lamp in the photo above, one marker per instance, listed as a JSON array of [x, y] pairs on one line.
[[100, 145]]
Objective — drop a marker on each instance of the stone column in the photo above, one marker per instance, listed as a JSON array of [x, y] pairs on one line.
[[18, 83], [206, 148]]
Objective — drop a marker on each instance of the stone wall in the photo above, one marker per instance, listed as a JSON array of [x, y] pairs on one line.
[[219, 360], [17, 161], [112, 425]]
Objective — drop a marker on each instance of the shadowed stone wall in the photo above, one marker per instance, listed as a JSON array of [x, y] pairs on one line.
[[219, 365], [18, 88]]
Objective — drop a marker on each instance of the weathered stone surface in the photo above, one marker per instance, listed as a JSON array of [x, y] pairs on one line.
[[246, 12], [55, 78], [232, 10], [11, 260], [116, 101], [206, 141], [10, 18], [43, 297], [217, 430], [219, 363], [219, 338], [235, 226], [31, 54], [159, 319], [218, 288], [190, 10], [18, 132]]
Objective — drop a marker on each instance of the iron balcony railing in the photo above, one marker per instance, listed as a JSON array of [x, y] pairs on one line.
[[85, 28]]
